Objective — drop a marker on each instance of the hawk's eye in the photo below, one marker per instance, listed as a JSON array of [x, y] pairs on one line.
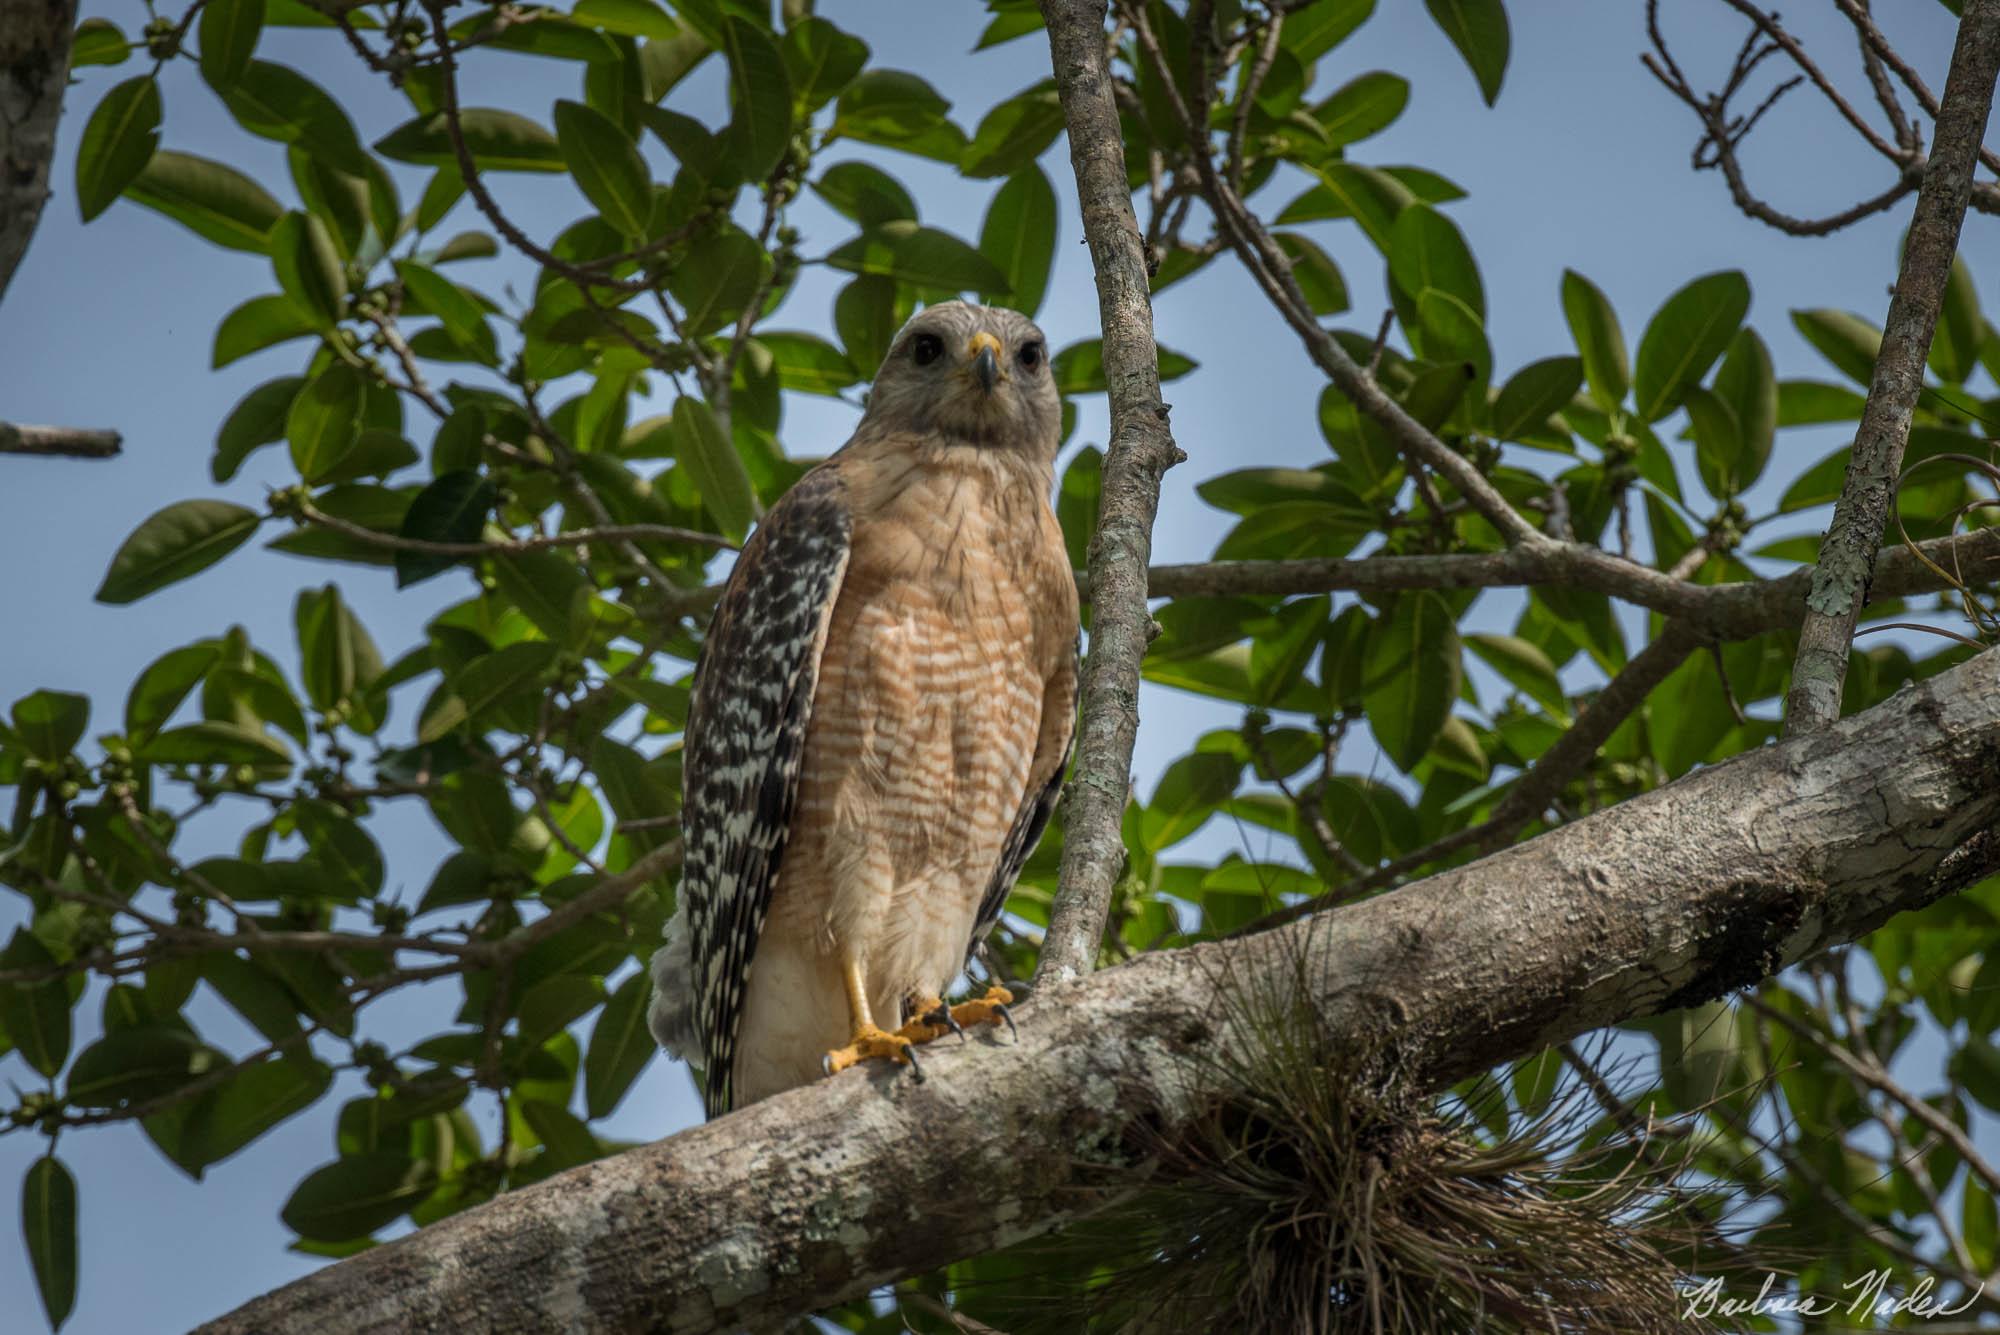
[[926, 348], [1030, 354]]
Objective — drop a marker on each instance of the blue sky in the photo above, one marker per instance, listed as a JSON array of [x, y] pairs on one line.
[[1583, 164]]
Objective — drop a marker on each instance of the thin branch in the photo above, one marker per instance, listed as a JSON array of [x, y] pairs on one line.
[[579, 537], [65, 442], [1847, 556], [1140, 452]]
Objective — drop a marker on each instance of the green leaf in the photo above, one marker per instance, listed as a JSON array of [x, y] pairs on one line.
[[51, 723], [1019, 236], [921, 255], [1684, 338], [715, 468], [277, 102], [719, 277], [499, 141], [1812, 402], [248, 1104], [502, 674], [211, 743], [1186, 796], [865, 193], [1848, 341], [1718, 441], [337, 656], [1014, 133], [309, 269], [162, 687], [48, 1223], [1315, 272], [1310, 32], [1749, 385], [212, 200], [1533, 394], [98, 42], [1363, 106], [620, 1046], [128, 1065], [820, 60], [463, 318], [1079, 368], [1427, 254], [808, 363], [1278, 657], [1370, 197], [1478, 28], [760, 99], [607, 167], [35, 1015], [1522, 666], [325, 420], [1960, 328], [355, 1195], [865, 315], [897, 109], [249, 991], [118, 142], [1410, 670], [229, 32], [543, 585], [182, 540], [1599, 341], [257, 324], [453, 508]]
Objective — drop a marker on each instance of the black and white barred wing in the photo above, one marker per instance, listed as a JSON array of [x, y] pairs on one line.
[[742, 752]]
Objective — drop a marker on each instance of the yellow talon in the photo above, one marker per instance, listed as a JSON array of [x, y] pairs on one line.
[[870, 1042], [989, 1009]]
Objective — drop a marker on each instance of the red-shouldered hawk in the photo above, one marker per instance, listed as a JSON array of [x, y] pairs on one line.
[[881, 718]]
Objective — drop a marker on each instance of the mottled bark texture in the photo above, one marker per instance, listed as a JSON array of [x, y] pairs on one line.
[[1847, 554], [35, 39], [1671, 899], [1141, 450], [67, 442]]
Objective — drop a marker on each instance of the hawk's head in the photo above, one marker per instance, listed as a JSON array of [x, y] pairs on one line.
[[975, 374]]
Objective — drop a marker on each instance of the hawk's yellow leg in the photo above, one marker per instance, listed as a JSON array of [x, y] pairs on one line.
[[869, 1040]]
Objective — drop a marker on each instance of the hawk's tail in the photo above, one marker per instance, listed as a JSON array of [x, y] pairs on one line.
[[671, 1015]]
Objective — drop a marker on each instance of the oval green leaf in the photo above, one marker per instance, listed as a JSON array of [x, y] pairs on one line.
[[182, 540]]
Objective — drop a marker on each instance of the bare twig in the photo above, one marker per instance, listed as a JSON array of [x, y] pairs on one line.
[[1847, 556], [1140, 452], [66, 442]]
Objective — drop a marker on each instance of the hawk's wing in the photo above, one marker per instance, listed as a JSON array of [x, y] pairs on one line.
[[745, 743], [1058, 741]]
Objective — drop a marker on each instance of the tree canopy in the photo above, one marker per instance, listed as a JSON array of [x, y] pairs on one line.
[[577, 457]]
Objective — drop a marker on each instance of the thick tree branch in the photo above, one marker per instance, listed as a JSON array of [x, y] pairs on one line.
[[1141, 450], [58, 442], [35, 37], [1847, 556], [1673, 898]]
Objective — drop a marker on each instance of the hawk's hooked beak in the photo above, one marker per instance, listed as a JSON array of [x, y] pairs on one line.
[[986, 360]]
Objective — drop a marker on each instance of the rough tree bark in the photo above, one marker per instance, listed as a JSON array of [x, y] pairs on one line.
[[67, 442], [1847, 555], [1141, 450], [35, 38], [821, 1194]]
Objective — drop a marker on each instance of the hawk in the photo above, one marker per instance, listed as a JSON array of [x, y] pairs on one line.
[[881, 718]]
